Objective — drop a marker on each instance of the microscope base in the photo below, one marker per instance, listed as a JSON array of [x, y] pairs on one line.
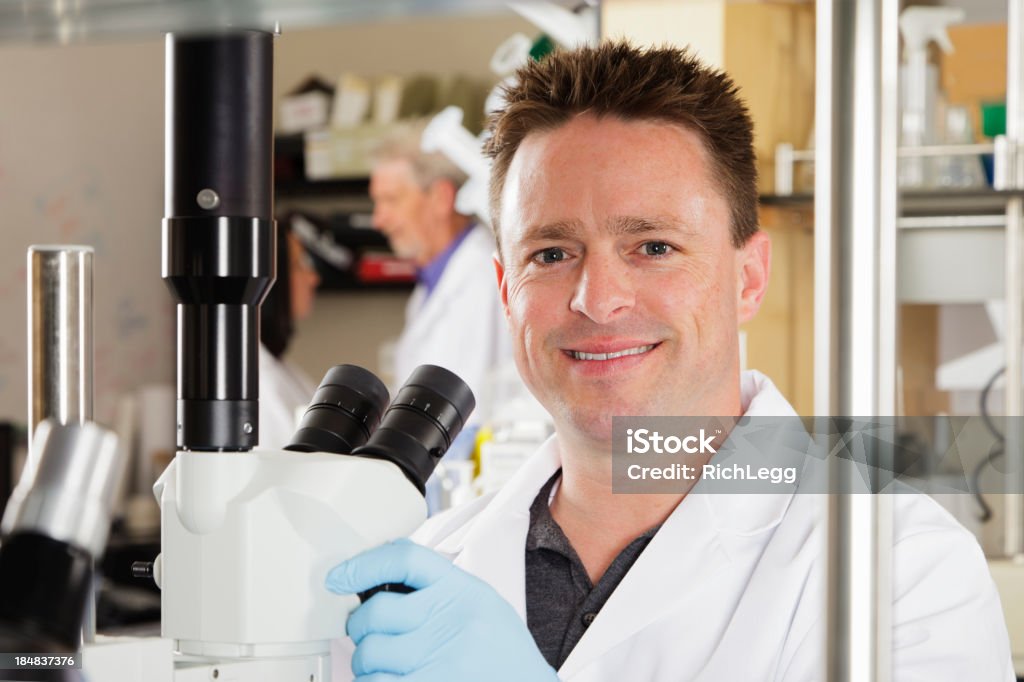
[[130, 659]]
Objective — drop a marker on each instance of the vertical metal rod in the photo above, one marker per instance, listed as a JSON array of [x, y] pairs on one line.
[[60, 334], [855, 242], [60, 346], [1014, 338]]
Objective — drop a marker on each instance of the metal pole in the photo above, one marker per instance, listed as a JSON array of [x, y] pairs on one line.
[[60, 335], [855, 242], [1014, 339], [60, 328]]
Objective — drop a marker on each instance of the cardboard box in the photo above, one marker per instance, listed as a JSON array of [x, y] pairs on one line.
[[975, 72], [769, 52], [342, 152]]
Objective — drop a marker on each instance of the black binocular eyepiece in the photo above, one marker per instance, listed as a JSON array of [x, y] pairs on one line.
[[414, 432]]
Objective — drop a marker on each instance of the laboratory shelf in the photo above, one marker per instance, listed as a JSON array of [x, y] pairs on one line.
[[923, 203], [347, 187]]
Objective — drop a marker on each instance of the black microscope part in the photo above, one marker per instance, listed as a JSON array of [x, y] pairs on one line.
[[397, 588], [218, 254], [345, 410], [44, 584], [421, 423]]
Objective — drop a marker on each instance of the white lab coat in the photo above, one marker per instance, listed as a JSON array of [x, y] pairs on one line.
[[460, 326], [732, 586], [284, 392]]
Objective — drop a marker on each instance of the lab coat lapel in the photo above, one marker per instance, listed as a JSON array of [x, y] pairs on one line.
[[663, 580], [494, 549], [708, 541], [684, 573]]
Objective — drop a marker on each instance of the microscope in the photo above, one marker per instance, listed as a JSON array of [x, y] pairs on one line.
[[248, 535]]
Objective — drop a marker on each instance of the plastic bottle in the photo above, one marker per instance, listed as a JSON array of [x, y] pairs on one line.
[[959, 171], [919, 90]]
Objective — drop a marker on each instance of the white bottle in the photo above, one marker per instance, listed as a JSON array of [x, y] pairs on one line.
[[919, 88]]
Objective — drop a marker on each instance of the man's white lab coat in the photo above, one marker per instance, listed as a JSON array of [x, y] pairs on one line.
[[460, 325], [732, 586]]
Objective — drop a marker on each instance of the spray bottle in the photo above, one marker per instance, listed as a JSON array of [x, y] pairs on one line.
[[919, 88]]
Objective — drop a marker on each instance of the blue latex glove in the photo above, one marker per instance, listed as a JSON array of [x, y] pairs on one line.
[[453, 628]]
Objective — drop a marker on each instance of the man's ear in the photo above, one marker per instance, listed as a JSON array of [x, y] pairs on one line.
[[499, 271], [753, 267], [441, 194]]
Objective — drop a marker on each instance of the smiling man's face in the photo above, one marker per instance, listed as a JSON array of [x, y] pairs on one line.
[[619, 277]]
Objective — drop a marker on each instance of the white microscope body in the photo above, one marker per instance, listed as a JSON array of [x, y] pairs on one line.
[[248, 539]]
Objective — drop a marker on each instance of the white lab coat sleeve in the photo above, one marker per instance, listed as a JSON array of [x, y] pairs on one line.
[[948, 621], [474, 335], [460, 325]]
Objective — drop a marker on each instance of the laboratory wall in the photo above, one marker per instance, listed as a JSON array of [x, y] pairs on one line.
[[81, 161]]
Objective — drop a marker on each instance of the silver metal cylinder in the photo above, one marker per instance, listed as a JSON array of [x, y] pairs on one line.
[[67, 492], [855, 342], [60, 349], [60, 343]]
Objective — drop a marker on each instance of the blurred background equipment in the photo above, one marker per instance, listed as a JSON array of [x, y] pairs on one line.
[[54, 529], [284, 388]]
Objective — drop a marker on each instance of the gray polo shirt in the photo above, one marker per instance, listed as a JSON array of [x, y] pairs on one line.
[[561, 602]]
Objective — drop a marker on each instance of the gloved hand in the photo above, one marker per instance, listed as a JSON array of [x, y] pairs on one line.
[[453, 628]]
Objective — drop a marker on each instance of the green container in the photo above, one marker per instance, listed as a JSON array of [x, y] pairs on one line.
[[993, 119]]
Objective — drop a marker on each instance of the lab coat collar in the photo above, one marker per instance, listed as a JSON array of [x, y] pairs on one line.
[[697, 542], [493, 548], [743, 515], [694, 548]]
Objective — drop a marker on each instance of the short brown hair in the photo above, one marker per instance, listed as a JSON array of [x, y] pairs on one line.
[[618, 80]]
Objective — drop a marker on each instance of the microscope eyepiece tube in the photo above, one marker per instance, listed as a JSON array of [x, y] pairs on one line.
[[55, 525], [219, 232], [345, 409], [421, 423]]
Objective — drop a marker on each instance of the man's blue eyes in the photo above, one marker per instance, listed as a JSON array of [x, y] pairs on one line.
[[556, 254], [552, 255]]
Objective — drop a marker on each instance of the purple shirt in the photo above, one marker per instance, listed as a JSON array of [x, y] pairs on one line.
[[430, 274]]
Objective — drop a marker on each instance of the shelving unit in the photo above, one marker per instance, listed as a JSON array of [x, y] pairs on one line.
[[340, 209], [862, 221]]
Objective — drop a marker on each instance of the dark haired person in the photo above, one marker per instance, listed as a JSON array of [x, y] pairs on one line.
[[625, 208], [284, 388]]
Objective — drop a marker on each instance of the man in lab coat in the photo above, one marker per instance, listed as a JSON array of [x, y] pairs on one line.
[[625, 205], [453, 318]]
